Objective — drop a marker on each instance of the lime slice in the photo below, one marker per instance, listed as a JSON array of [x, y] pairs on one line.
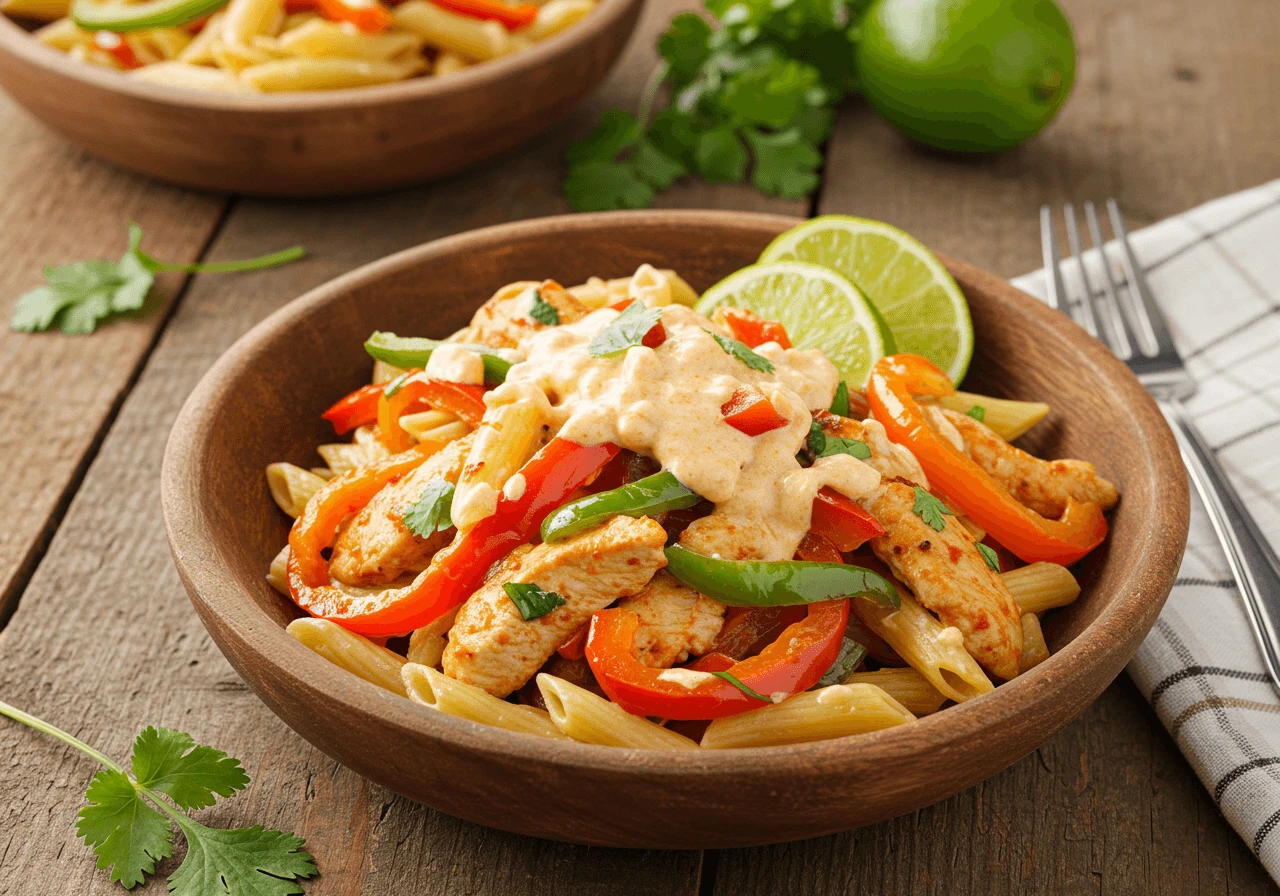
[[819, 307], [924, 308]]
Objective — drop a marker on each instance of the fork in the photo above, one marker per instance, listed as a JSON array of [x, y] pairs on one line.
[[1136, 331]]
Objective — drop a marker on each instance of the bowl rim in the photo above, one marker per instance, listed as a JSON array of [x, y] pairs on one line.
[[17, 41], [1138, 596]]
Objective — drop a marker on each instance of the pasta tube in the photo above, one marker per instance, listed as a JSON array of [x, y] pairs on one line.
[[907, 686], [425, 421], [64, 35], [292, 487], [835, 711], [475, 39], [435, 689], [591, 719], [1008, 419], [426, 644], [1034, 649], [245, 18], [357, 655], [321, 38], [448, 62], [327, 74], [198, 52], [1041, 586], [384, 372], [557, 15], [278, 574], [507, 438]]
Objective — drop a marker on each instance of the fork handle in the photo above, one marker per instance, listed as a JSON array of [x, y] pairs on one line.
[[1253, 563]]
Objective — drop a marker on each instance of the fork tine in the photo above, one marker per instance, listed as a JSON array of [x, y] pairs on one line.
[[1057, 293], [1087, 319], [1118, 337], [1146, 312]]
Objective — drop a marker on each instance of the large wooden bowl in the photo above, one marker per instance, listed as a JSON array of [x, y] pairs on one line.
[[261, 402], [316, 143]]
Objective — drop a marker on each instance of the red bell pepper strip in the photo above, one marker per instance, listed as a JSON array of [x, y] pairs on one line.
[[749, 630], [895, 379], [512, 18], [751, 329], [789, 665], [368, 16], [842, 521], [817, 549], [360, 408], [573, 647], [712, 662], [749, 412], [118, 48], [457, 570], [464, 401]]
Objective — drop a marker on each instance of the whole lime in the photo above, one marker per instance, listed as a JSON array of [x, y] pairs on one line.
[[970, 75]]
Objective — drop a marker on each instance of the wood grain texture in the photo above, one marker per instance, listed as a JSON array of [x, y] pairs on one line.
[[1167, 112], [57, 392]]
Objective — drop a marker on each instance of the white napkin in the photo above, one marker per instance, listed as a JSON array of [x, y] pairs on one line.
[[1215, 271]]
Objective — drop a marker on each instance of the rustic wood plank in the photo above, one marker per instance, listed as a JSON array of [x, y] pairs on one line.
[[57, 392], [1164, 115], [106, 597]]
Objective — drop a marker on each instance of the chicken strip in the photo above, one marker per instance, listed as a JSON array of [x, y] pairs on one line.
[[493, 647], [1044, 486], [675, 621], [504, 320], [375, 546], [948, 576], [889, 459]]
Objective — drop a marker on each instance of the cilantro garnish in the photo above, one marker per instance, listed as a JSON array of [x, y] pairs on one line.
[[751, 96], [993, 559], [743, 353], [822, 445], [733, 680], [430, 513], [978, 412], [628, 329], [543, 311], [930, 509], [840, 404], [77, 297], [532, 601], [851, 653], [128, 821]]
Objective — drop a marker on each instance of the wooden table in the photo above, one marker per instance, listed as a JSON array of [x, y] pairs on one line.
[[1175, 104]]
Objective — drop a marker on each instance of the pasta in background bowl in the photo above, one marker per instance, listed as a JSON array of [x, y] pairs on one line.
[[307, 97], [527, 776]]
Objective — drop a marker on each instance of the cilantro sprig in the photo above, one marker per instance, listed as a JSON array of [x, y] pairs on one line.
[[541, 310], [129, 817], [930, 509], [754, 96], [822, 445], [77, 297], [742, 352], [430, 513], [532, 602], [989, 555]]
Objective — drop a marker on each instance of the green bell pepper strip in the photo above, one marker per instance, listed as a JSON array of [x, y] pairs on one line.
[[415, 351], [644, 497], [117, 16], [777, 583]]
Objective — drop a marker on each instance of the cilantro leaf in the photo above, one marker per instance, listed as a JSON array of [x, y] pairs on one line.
[[814, 123], [126, 834], [743, 353], [430, 513], [930, 509], [172, 763], [820, 444], [618, 131], [720, 156], [532, 601], [628, 329], [737, 683], [675, 133], [840, 404], [240, 862], [785, 165], [655, 167], [978, 412], [685, 46], [543, 311], [769, 89], [850, 655], [603, 186], [993, 559]]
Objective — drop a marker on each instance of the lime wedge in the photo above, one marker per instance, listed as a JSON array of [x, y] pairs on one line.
[[924, 308], [819, 307]]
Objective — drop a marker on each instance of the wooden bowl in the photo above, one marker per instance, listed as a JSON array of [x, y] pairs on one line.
[[261, 402], [323, 142]]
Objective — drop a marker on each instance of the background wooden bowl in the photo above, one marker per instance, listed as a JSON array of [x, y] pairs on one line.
[[262, 402], [323, 142]]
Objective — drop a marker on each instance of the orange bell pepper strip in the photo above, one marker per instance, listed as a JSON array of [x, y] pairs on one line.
[[895, 379], [368, 16], [360, 408], [751, 329], [749, 412], [842, 521], [552, 475], [792, 663], [510, 17], [464, 401]]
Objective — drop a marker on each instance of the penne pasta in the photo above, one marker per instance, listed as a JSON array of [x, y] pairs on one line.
[[320, 38], [64, 35], [428, 687], [1034, 649], [649, 285], [278, 574], [341, 457], [198, 52], [39, 10], [507, 438], [292, 487], [245, 18], [557, 15], [235, 58], [448, 62], [836, 711], [591, 719], [1041, 586], [359, 656], [155, 45], [327, 74], [907, 686], [449, 432], [473, 39], [323, 472], [1008, 419], [426, 644]]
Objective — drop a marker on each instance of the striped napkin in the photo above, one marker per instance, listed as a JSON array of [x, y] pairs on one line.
[[1215, 271]]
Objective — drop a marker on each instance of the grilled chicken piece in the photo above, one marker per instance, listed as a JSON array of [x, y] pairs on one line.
[[1041, 485], [493, 647], [889, 459], [504, 320], [948, 576], [375, 546], [675, 621]]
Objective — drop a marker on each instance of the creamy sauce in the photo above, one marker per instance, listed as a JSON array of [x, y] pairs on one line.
[[456, 364], [686, 678], [513, 488], [952, 637], [836, 695]]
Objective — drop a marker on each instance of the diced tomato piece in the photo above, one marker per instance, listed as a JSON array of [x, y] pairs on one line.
[[748, 411], [752, 329]]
